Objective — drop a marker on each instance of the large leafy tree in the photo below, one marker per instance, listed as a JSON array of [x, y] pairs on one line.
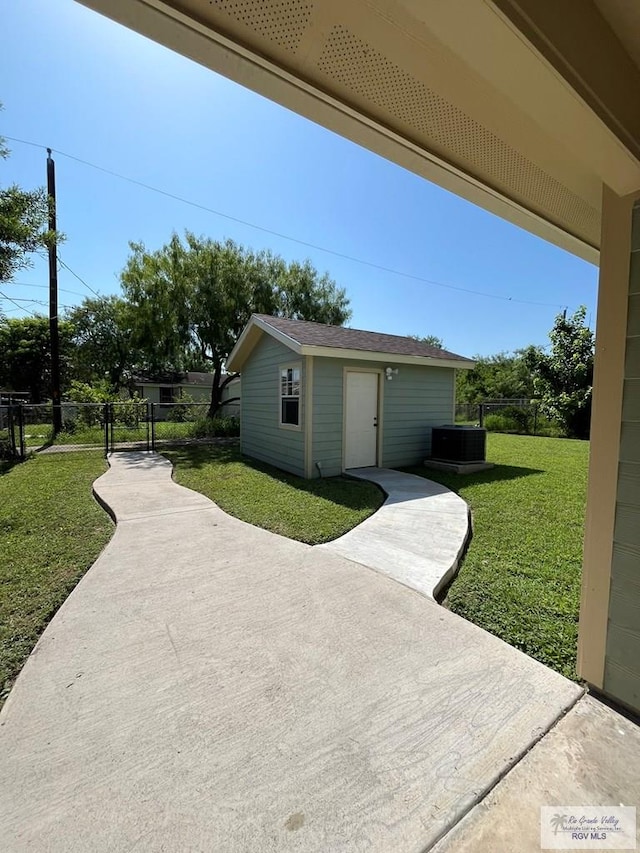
[[563, 378], [194, 297], [103, 338], [25, 355]]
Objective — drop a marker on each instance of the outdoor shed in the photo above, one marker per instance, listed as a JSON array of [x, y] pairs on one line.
[[319, 399]]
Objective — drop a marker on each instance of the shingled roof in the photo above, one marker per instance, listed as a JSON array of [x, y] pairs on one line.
[[305, 338], [306, 333]]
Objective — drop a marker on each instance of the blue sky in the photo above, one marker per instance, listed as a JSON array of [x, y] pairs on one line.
[[84, 85]]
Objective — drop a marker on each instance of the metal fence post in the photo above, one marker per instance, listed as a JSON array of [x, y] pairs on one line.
[[148, 428], [11, 429], [21, 430], [481, 414], [105, 415], [153, 427]]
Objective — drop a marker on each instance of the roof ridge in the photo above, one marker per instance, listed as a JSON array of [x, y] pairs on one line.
[[267, 317]]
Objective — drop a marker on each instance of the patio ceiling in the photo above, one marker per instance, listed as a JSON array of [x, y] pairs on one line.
[[499, 102]]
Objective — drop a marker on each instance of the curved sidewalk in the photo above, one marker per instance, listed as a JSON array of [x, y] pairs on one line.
[[211, 686], [418, 535]]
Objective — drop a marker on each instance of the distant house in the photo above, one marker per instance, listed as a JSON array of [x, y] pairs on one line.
[[318, 399], [195, 386]]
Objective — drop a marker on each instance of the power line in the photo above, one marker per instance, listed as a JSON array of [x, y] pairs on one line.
[[15, 302], [75, 274], [31, 302], [46, 287], [282, 236]]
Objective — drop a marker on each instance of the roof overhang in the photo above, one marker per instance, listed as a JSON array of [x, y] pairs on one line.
[[256, 328], [495, 100]]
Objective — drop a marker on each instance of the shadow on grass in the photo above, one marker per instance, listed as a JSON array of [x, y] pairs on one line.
[[344, 491], [7, 464], [458, 481]]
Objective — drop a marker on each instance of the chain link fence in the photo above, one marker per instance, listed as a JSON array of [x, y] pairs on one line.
[[511, 415], [25, 427]]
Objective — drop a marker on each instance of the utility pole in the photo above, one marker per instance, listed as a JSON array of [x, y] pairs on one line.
[[53, 298]]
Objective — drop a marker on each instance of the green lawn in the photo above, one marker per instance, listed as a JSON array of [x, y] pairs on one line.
[[521, 577], [311, 511], [51, 531]]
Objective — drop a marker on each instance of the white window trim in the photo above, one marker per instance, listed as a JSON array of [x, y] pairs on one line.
[[290, 366]]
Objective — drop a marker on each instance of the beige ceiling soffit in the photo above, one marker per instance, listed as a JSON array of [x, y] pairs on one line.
[[378, 69], [582, 50], [181, 33], [510, 65], [494, 129]]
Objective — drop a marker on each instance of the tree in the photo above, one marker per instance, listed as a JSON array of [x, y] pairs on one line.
[[499, 376], [563, 378], [431, 340], [25, 355], [195, 297], [24, 218], [103, 338]]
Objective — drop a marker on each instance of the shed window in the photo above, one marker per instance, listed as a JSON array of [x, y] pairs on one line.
[[167, 394], [290, 396]]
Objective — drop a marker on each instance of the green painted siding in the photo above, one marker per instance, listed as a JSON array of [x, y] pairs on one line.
[[327, 415], [622, 662], [416, 399], [261, 435]]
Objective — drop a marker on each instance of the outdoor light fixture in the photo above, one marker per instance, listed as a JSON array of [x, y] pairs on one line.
[[389, 372]]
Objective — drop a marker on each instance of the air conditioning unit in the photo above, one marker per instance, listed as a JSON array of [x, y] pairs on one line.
[[458, 443]]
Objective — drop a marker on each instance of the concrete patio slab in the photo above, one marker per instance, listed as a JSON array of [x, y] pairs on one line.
[[591, 758], [209, 686], [418, 535]]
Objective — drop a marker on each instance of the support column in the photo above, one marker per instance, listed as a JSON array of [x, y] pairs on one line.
[[605, 434], [613, 295]]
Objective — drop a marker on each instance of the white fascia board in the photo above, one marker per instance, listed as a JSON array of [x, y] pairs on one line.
[[278, 335], [248, 340], [392, 358], [236, 353]]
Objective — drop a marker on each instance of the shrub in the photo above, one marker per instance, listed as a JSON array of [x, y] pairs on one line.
[[212, 427], [520, 416], [500, 423], [130, 412], [187, 409], [95, 396]]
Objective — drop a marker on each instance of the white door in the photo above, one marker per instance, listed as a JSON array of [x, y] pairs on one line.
[[361, 432]]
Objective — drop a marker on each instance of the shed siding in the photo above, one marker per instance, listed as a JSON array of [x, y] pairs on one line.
[[261, 436], [414, 400], [327, 415], [622, 661]]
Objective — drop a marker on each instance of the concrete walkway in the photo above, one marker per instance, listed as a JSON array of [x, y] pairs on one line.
[[209, 686], [417, 537]]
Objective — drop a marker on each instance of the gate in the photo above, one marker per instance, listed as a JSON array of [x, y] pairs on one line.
[[12, 443], [128, 424]]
